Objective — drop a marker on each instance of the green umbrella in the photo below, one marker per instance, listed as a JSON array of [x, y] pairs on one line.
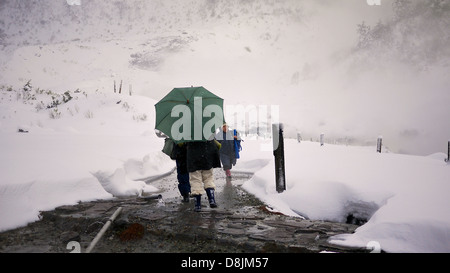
[[189, 114]]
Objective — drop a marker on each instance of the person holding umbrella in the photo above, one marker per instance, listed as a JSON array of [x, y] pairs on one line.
[[187, 116], [202, 157], [180, 153]]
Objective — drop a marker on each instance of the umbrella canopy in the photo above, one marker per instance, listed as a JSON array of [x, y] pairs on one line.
[[189, 114]]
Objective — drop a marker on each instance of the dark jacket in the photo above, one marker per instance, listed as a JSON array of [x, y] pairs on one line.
[[227, 141], [202, 155], [227, 152], [179, 152]]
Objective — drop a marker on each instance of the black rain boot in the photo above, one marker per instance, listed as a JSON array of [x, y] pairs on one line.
[[198, 203], [211, 197], [186, 198]]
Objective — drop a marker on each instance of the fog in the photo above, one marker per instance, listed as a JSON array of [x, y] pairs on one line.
[[350, 70]]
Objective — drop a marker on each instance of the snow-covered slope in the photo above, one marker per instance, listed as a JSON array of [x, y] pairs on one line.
[[299, 55]]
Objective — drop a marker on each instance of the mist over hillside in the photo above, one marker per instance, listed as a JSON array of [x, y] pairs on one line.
[[343, 68], [50, 21]]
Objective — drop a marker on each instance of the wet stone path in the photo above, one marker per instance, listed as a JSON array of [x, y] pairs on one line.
[[241, 224]]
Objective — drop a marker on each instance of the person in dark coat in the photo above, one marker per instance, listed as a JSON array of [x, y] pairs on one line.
[[227, 152], [180, 154], [202, 157]]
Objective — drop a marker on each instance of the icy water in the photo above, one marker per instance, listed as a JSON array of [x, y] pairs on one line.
[[225, 193]]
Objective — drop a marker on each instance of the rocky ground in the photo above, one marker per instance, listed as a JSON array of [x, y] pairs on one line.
[[241, 224]]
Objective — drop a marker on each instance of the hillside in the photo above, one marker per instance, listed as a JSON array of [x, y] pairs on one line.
[[328, 74]]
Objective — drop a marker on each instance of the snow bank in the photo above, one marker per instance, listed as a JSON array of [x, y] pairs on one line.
[[405, 198], [119, 185], [21, 203], [74, 157]]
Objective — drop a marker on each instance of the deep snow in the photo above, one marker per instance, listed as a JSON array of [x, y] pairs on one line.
[[405, 197]]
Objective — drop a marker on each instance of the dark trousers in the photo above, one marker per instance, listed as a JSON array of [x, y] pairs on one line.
[[183, 180]]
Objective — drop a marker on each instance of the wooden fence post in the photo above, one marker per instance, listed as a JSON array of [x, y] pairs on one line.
[[278, 152], [448, 152], [379, 144]]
